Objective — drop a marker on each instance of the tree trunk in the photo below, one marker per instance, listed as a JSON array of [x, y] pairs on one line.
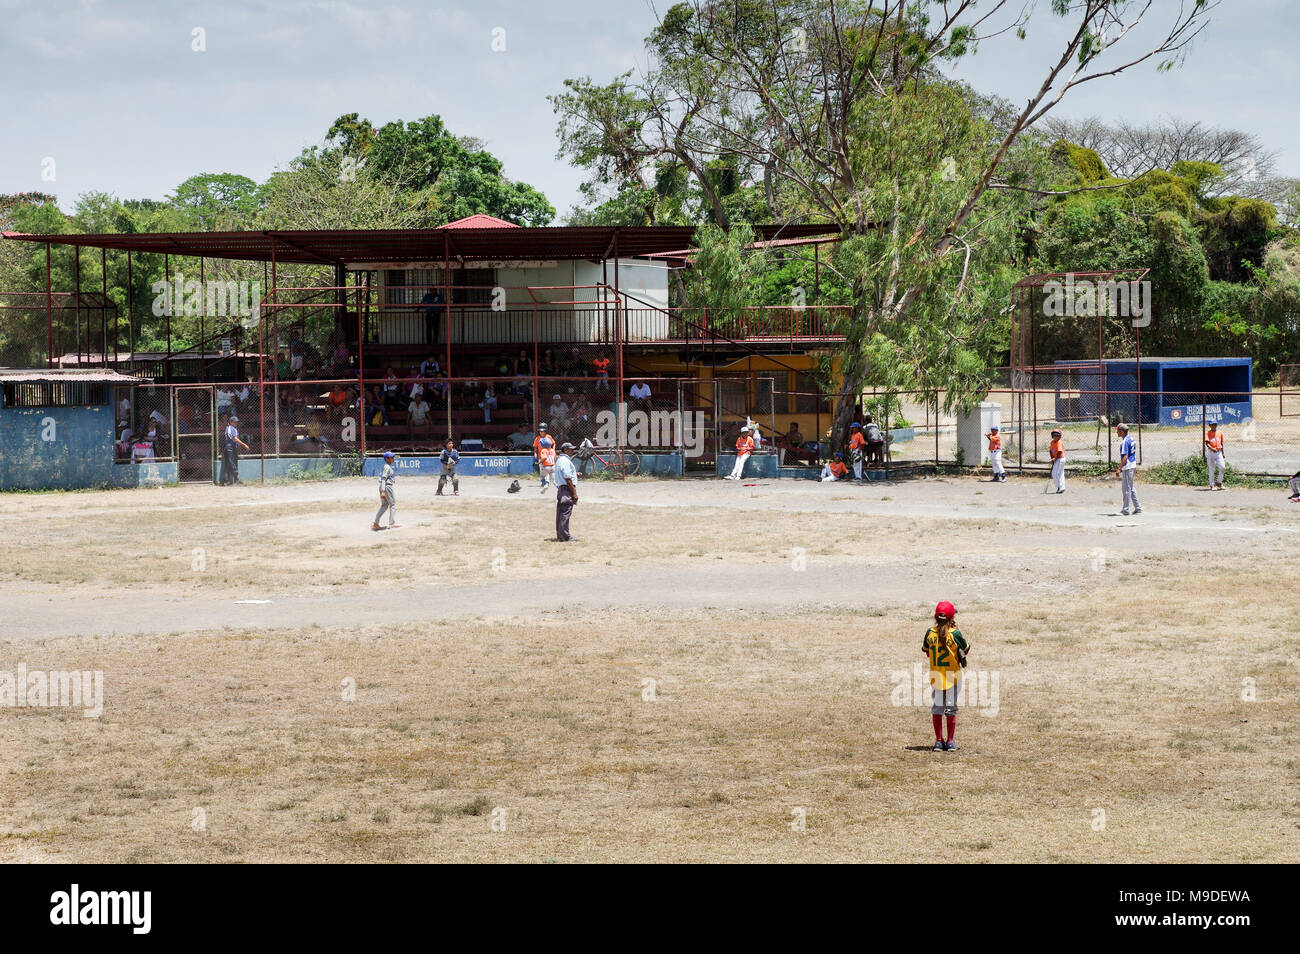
[[854, 374]]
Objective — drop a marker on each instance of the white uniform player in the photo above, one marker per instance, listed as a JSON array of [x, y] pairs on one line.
[[1214, 456]]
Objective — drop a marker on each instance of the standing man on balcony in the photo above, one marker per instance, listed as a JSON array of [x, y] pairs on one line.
[[433, 303]]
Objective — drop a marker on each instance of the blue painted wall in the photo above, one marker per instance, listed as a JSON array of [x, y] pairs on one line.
[[56, 448]]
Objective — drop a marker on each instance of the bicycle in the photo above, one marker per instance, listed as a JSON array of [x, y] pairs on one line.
[[607, 461]]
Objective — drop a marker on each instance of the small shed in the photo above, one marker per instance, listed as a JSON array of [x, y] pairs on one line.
[[1170, 390], [57, 427]]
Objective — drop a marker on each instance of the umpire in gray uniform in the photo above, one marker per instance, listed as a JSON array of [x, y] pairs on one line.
[[566, 494]]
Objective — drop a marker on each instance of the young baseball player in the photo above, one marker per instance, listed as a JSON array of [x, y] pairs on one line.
[[1293, 485], [995, 454], [1056, 450], [1214, 455], [835, 470], [1127, 472], [744, 447], [857, 450], [946, 649], [449, 458], [387, 496], [546, 461]]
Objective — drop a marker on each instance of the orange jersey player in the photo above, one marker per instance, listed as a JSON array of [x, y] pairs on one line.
[[1057, 452], [744, 447], [995, 454]]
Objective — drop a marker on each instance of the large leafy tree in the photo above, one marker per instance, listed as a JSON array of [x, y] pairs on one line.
[[839, 108]]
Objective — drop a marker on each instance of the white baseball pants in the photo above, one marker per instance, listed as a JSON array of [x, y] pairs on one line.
[[1058, 474], [1214, 460]]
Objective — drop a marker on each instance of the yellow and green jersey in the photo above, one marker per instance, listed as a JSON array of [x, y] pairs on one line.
[[942, 651]]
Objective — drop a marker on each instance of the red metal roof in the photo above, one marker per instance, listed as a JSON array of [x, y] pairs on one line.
[[480, 221], [344, 246]]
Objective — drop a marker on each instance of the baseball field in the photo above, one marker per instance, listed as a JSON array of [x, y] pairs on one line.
[[711, 671]]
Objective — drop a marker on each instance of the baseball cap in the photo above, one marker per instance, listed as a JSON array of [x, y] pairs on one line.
[[945, 610], [388, 455], [1055, 432], [854, 424], [566, 446], [234, 417], [541, 427], [993, 427]]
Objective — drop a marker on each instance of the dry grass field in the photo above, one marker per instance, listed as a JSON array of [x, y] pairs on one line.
[[708, 664]]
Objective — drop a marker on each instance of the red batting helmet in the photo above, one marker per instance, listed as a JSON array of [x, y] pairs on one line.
[[945, 610]]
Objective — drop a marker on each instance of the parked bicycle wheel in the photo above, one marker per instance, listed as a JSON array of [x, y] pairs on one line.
[[631, 463]]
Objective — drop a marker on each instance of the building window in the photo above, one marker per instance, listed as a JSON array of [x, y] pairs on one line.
[[55, 393]]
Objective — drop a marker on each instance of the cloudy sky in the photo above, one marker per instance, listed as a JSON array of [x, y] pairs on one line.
[[115, 94]]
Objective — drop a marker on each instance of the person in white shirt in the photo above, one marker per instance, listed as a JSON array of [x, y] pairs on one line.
[[566, 491]]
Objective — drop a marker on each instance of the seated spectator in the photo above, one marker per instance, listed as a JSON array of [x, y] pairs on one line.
[[282, 370], [417, 417], [523, 372], [314, 432], [640, 395], [502, 366], [521, 438], [835, 470], [558, 413], [376, 412], [342, 358], [439, 388], [429, 367], [488, 404], [547, 368], [391, 391], [338, 399], [791, 445]]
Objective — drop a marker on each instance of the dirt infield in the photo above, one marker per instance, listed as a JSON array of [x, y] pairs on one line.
[[708, 665]]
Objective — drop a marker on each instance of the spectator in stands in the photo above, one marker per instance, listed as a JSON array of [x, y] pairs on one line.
[[392, 391], [523, 371], [439, 387], [282, 370], [417, 416], [342, 358], [375, 407], [429, 367], [412, 384], [547, 367], [640, 395], [580, 417], [488, 404], [503, 367], [124, 407], [558, 413], [225, 397], [433, 302], [315, 433], [338, 399], [521, 438], [600, 364]]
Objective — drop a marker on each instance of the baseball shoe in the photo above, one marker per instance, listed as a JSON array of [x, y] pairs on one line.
[[1060, 491], [950, 746], [938, 745], [1123, 513], [1294, 499], [1137, 511]]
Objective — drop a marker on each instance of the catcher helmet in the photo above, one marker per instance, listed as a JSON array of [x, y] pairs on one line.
[[945, 610], [1056, 433], [513, 488]]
